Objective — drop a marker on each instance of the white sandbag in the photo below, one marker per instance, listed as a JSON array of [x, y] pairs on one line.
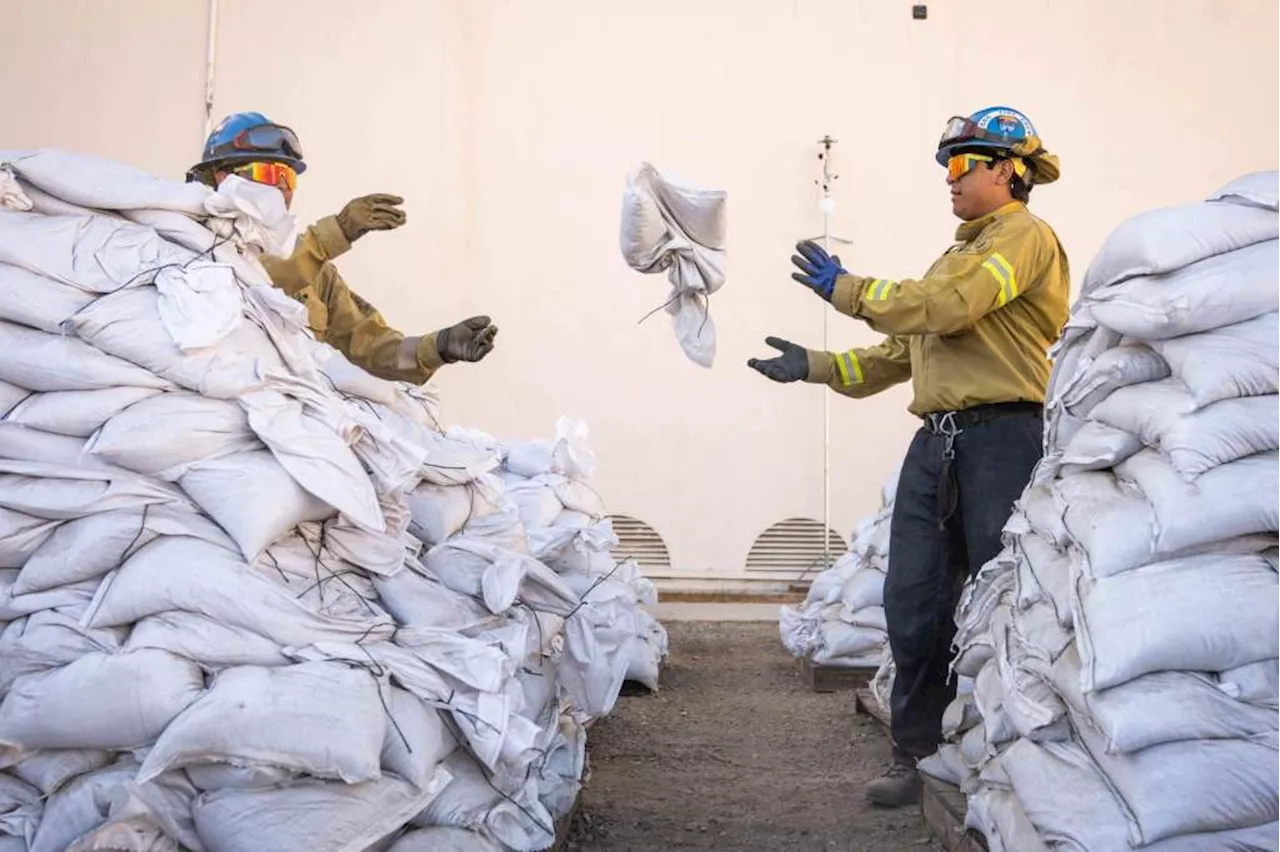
[[204, 641], [51, 455], [1097, 446], [94, 253], [863, 589], [1171, 238], [536, 501], [75, 413], [1203, 613], [323, 719], [828, 585], [455, 460], [177, 573], [572, 454], [997, 813], [1161, 707], [90, 547], [135, 695], [48, 362], [127, 325], [528, 458], [441, 511], [647, 652], [1225, 363], [443, 838], [680, 229], [21, 535], [471, 802], [20, 811], [49, 770], [1212, 293], [1165, 415], [74, 599], [305, 436], [576, 495], [598, 642], [945, 765], [1116, 368], [416, 739], [868, 616], [81, 806], [1192, 786], [309, 816], [845, 640], [303, 565], [1235, 499], [49, 638], [1044, 574], [415, 597], [152, 817], [165, 435], [36, 301], [1261, 189], [252, 497]]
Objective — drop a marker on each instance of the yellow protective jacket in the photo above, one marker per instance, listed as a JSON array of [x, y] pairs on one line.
[[974, 330], [339, 316]]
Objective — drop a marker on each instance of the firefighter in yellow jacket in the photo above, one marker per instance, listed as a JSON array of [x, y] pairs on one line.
[[251, 146], [972, 337]]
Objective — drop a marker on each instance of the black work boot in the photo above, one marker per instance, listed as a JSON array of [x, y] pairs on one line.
[[898, 787]]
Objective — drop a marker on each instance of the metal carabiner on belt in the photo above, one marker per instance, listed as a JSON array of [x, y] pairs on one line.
[[944, 425]]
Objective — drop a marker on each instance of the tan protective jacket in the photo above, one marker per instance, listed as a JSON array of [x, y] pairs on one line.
[[974, 330], [339, 316]]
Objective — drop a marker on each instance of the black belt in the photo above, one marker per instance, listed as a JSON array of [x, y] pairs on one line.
[[952, 422], [949, 424]]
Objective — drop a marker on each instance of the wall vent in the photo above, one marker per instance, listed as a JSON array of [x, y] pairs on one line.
[[793, 549], [639, 541]]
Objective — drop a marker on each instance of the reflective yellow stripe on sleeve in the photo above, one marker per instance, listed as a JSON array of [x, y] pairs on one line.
[[878, 290], [850, 368], [1002, 270]]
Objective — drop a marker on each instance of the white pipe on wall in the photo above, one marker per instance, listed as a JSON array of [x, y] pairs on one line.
[[210, 68]]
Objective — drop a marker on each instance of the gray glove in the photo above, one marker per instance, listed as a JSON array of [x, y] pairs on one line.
[[377, 212], [791, 366], [469, 340]]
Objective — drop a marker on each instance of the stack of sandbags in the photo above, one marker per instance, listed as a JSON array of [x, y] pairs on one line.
[[841, 622], [235, 612], [1124, 643]]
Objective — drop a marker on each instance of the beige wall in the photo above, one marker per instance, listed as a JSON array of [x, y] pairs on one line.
[[510, 125]]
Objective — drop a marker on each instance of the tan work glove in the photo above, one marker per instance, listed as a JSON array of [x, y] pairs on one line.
[[469, 340], [377, 212]]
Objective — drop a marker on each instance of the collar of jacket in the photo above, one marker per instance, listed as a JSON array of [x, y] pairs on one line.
[[968, 230]]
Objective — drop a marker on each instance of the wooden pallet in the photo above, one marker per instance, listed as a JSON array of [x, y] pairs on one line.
[[943, 806], [820, 678], [866, 703]]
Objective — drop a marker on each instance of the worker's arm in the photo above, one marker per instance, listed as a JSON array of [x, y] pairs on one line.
[[965, 285], [357, 329], [319, 244], [862, 372]]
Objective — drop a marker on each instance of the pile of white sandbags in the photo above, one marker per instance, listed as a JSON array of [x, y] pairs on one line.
[[841, 622], [250, 596], [1124, 643]]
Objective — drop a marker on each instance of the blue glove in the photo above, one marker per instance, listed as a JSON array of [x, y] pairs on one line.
[[818, 270]]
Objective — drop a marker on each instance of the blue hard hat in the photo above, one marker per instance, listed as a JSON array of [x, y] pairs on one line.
[[996, 128], [245, 137]]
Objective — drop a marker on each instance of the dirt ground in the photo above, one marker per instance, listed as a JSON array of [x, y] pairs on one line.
[[735, 754]]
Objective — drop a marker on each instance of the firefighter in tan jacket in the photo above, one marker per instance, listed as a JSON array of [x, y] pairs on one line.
[[249, 145], [972, 337]]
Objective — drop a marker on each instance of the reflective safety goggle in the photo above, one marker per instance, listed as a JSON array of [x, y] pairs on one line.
[[268, 137], [272, 174], [960, 164], [961, 129]]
